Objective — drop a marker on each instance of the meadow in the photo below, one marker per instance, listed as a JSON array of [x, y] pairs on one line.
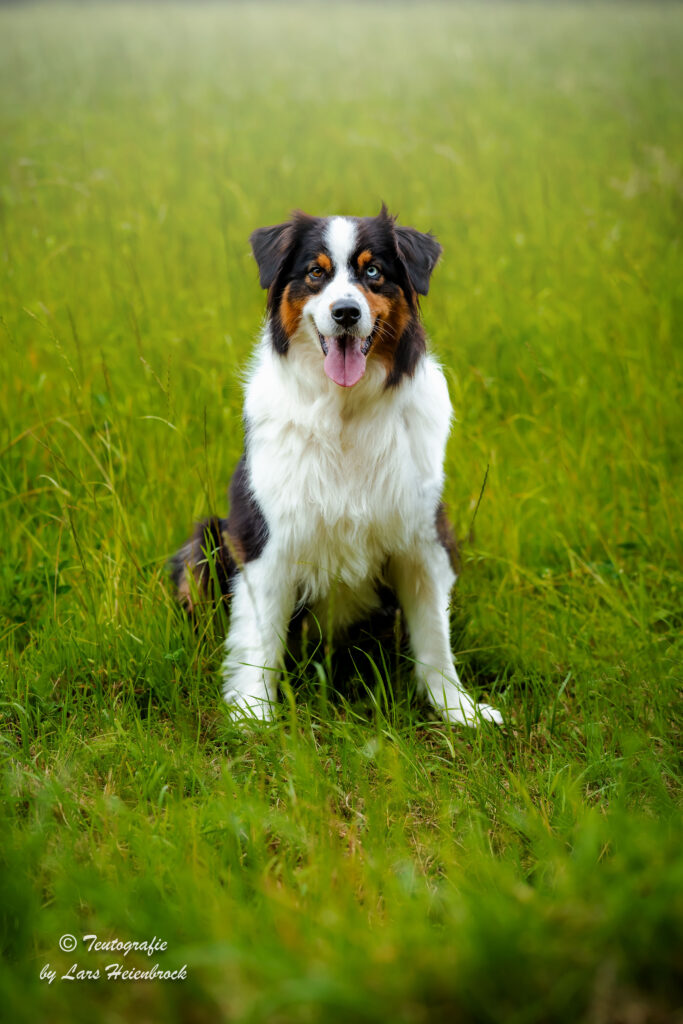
[[359, 860]]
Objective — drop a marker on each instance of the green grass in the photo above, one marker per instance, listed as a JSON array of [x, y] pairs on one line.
[[358, 861]]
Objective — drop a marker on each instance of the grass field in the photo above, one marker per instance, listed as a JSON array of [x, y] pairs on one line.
[[359, 860]]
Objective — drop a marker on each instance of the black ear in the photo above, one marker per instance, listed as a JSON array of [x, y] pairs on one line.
[[270, 247], [420, 254]]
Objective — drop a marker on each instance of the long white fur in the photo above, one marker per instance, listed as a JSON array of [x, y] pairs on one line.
[[348, 480]]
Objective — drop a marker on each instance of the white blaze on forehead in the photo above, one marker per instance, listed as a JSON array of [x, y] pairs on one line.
[[340, 236], [341, 240]]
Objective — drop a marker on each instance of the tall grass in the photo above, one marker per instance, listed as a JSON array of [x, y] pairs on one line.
[[359, 860]]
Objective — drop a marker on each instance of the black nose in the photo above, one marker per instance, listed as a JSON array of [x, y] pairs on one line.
[[345, 312]]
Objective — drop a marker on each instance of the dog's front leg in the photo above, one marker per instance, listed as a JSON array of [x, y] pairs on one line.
[[423, 580], [262, 604]]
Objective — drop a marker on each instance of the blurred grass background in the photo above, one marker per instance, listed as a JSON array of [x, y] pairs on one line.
[[358, 861]]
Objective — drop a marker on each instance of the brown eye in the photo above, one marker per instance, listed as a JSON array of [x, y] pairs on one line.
[[316, 273]]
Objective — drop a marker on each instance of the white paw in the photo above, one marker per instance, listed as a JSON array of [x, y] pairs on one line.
[[462, 710], [246, 708]]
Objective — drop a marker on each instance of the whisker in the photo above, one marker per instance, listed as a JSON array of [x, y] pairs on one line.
[[381, 330]]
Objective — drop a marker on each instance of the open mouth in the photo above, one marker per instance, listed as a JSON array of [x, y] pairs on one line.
[[345, 357]]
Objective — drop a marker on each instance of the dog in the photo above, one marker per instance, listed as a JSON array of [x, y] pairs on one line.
[[336, 499]]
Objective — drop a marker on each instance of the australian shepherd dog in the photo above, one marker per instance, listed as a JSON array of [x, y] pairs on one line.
[[336, 500]]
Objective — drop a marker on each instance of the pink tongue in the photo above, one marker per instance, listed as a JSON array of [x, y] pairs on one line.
[[344, 364]]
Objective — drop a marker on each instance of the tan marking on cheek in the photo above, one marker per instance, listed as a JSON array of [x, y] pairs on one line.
[[290, 310], [393, 317], [364, 258], [324, 261], [379, 305]]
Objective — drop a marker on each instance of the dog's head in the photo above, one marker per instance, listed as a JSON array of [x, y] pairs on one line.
[[348, 286]]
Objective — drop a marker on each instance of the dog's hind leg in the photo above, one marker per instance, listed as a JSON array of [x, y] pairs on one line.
[[204, 566]]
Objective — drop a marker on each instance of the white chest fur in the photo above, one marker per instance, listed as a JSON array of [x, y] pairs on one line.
[[344, 478]]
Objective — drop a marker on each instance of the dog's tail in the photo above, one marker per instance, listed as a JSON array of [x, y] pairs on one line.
[[204, 567]]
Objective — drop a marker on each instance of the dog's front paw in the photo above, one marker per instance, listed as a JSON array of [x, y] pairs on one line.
[[462, 710], [248, 708]]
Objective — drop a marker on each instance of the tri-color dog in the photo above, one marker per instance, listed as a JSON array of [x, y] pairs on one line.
[[337, 497]]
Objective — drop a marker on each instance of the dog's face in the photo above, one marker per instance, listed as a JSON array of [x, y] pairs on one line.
[[349, 287]]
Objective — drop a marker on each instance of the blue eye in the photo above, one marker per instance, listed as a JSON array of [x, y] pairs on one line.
[[372, 272]]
